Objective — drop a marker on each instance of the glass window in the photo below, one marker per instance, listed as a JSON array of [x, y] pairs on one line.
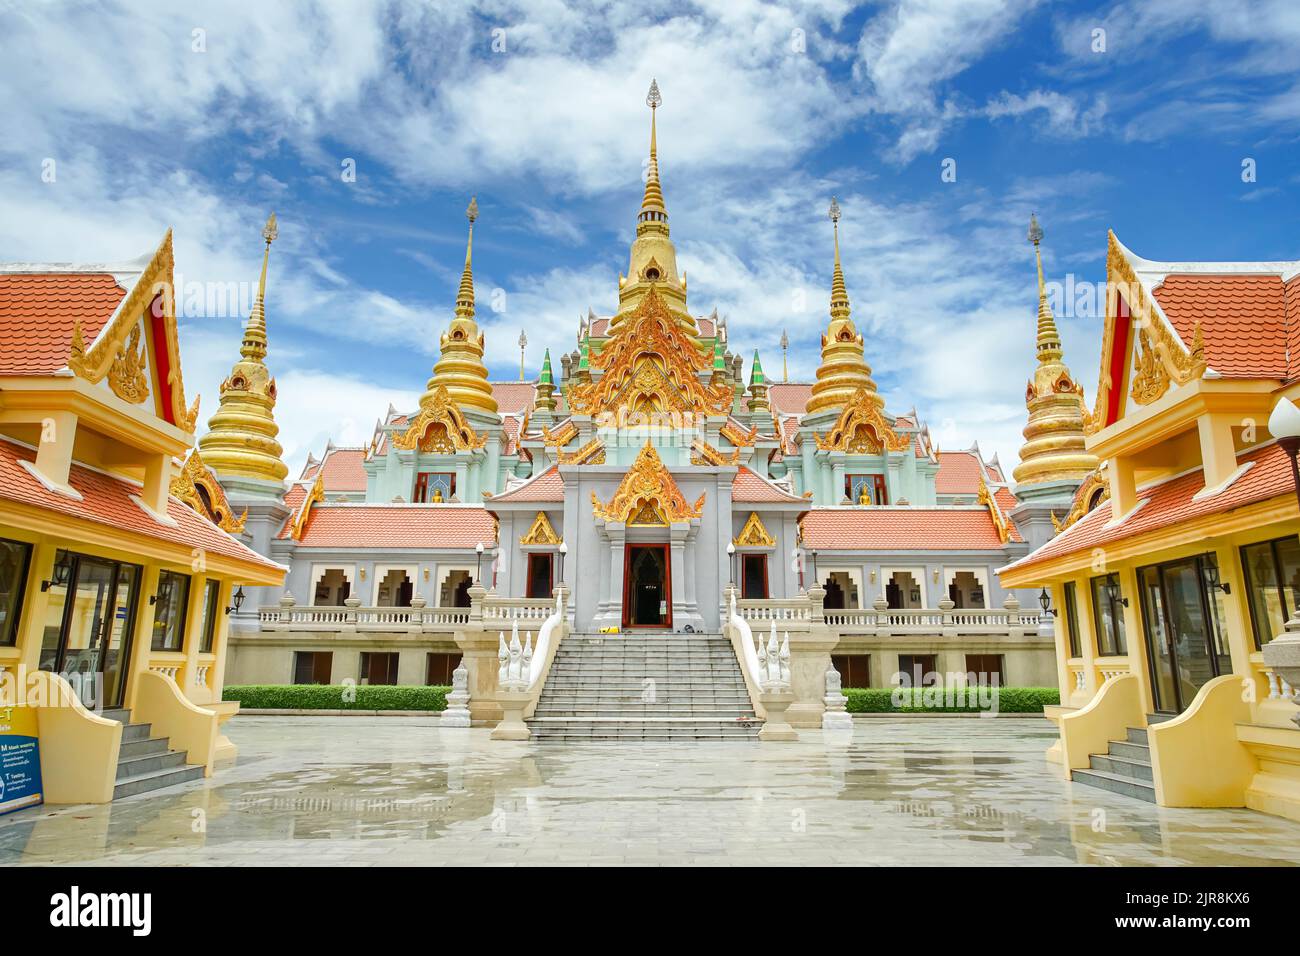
[[15, 556], [1108, 615], [1072, 618], [211, 615], [1272, 570], [169, 611]]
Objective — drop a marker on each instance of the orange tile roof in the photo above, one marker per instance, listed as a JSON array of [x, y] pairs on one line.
[[1172, 502], [959, 473], [900, 529], [38, 311], [342, 469], [513, 396], [1243, 316], [548, 486], [750, 487], [789, 398], [397, 526], [107, 501]]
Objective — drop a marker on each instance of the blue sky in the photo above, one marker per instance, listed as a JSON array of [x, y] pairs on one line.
[[204, 117]]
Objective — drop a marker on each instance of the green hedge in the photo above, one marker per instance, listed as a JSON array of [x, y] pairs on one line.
[[331, 697], [1011, 700]]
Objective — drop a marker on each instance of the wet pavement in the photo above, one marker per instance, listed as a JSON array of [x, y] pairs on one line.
[[332, 791]]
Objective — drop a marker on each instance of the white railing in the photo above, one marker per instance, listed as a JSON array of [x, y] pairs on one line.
[[328, 618], [886, 621], [518, 609], [768, 664], [775, 610], [545, 638]]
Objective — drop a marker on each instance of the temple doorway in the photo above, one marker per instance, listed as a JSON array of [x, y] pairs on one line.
[[647, 594]]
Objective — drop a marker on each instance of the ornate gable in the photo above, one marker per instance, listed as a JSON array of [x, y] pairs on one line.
[[647, 496], [197, 487], [650, 366], [754, 535], [316, 495], [999, 519], [141, 336], [862, 429], [541, 532], [440, 427]]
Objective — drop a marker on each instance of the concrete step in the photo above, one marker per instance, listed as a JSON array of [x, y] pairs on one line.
[[1137, 735], [1130, 751], [1116, 784], [143, 747], [155, 780], [1159, 718], [721, 713], [1121, 767], [148, 763]]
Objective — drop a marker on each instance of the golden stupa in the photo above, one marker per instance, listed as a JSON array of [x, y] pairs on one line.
[[843, 370], [1054, 444], [241, 437], [460, 369]]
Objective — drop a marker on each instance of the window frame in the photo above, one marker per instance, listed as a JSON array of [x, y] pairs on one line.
[[879, 487], [182, 608], [20, 593], [1069, 594], [1279, 582], [1112, 641], [211, 612]]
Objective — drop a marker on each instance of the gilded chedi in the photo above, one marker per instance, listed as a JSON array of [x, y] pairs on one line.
[[1054, 435], [241, 438], [843, 370]]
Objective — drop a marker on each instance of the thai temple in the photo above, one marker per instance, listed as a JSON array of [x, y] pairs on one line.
[[645, 478], [653, 537]]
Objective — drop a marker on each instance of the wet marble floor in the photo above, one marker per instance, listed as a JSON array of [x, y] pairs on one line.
[[368, 791]]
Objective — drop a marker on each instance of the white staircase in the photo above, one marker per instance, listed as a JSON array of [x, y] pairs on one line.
[[653, 686]]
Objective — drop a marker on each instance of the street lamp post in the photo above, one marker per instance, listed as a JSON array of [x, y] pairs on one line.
[[1282, 654], [478, 567], [564, 549], [731, 561]]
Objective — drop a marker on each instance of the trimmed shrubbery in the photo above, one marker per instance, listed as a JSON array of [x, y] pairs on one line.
[[1011, 700], [332, 697]]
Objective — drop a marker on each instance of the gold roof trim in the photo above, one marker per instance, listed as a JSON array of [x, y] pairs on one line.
[[561, 436], [702, 453], [995, 511], [317, 494], [737, 436], [647, 487], [194, 485], [862, 428], [1094, 491], [440, 427], [592, 453], [1180, 362], [541, 532]]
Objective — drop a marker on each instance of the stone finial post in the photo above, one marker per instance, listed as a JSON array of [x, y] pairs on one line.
[[882, 616], [287, 603], [946, 622], [1012, 606], [476, 595], [817, 604], [350, 614]]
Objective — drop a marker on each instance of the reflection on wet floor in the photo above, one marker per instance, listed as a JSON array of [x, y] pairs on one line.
[[332, 791]]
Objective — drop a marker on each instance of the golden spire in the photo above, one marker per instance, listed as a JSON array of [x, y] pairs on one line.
[[1054, 448], [241, 437], [843, 370], [653, 262], [653, 215], [461, 369]]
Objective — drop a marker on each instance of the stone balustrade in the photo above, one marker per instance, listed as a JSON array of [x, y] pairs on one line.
[[880, 620], [289, 616]]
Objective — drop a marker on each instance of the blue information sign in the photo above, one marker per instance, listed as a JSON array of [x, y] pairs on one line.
[[20, 759]]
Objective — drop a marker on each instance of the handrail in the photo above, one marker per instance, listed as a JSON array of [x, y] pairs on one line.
[[749, 654], [545, 648]]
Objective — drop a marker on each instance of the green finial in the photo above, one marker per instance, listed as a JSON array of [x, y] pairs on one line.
[[756, 376], [718, 361], [545, 377]]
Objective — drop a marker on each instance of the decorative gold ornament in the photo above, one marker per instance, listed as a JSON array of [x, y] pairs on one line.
[[753, 534], [647, 490], [541, 532], [702, 453], [651, 366], [439, 427], [862, 428], [1094, 491], [592, 453], [1150, 379], [995, 511], [316, 495], [561, 436], [126, 375], [738, 437], [196, 486]]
